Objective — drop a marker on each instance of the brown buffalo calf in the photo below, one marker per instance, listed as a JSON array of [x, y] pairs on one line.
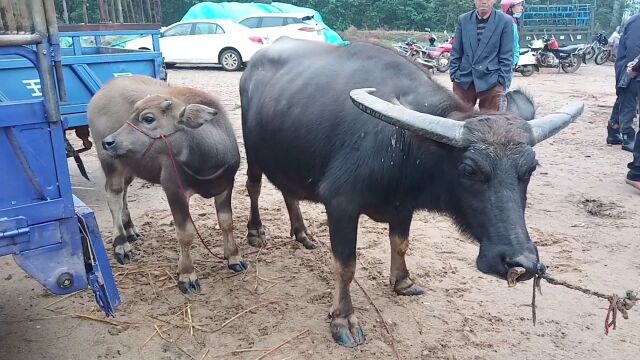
[[177, 137]]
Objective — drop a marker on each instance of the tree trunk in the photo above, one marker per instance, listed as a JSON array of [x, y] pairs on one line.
[[134, 18], [84, 11], [159, 10], [103, 11], [615, 17], [142, 12], [151, 18], [65, 13], [119, 8], [112, 10]]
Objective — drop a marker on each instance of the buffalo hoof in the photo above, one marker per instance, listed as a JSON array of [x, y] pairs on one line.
[[239, 267], [189, 287], [134, 237], [256, 237], [407, 287], [347, 332], [307, 242], [123, 254]]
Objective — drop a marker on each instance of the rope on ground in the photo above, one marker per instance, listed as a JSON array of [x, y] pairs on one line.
[[617, 303]]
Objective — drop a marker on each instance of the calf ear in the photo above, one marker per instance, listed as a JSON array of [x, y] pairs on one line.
[[194, 115], [520, 103]]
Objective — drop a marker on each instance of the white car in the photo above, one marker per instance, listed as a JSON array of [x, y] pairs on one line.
[[220, 42], [294, 25]]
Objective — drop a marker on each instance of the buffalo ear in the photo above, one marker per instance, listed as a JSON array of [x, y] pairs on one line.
[[520, 103], [194, 115]]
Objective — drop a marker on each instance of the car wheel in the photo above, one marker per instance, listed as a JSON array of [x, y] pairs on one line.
[[231, 60]]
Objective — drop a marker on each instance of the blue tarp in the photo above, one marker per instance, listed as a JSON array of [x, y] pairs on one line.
[[234, 11]]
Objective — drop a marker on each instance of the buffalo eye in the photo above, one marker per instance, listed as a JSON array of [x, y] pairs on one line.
[[148, 119], [470, 172]]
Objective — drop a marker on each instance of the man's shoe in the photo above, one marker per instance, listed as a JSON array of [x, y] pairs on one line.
[[635, 184], [628, 143], [615, 139]]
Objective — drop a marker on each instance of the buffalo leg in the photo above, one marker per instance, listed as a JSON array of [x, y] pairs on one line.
[[298, 229], [178, 202], [129, 228], [255, 231], [343, 230], [399, 275], [115, 188], [225, 219]]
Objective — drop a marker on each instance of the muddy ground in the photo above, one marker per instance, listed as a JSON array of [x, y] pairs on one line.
[[580, 213]]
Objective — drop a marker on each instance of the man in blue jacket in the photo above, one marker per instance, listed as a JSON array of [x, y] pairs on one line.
[[482, 56], [620, 127], [628, 71]]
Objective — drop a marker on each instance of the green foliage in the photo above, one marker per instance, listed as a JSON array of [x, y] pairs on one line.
[[408, 15]]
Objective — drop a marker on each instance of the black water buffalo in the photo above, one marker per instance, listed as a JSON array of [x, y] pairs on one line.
[[302, 130]]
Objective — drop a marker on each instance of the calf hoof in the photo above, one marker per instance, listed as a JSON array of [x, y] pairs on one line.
[[256, 238], [134, 237], [407, 287], [347, 332], [307, 241], [189, 287], [123, 254], [239, 267]]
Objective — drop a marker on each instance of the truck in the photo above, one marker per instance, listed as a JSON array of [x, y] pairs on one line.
[[45, 89], [569, 24]]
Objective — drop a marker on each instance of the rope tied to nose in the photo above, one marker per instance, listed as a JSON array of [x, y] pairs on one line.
[[174, 164], [621, 304]]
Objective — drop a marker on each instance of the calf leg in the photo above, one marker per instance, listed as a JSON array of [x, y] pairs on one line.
[[179, 204], [225, 219], [115, 188], [343, 230], [399, 275], [129, 228], [298, 229], [255, 232]]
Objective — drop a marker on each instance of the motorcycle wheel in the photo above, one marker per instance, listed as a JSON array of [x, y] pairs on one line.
[[573, 65], [589, 53], [443, 62], [602, 57], [527, 70]]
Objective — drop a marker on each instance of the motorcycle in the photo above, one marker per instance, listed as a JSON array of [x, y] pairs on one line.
[[549, 54], [598, 48], [429, 57], [527, 63]]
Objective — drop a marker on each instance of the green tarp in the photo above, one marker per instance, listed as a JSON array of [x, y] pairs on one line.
[[235, 11]]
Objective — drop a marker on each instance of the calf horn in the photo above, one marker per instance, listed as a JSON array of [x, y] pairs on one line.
[[547, 126], [433, 127]]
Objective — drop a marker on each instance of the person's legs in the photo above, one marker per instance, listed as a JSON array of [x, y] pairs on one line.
[[492, 99], [627, 112], [468, 96], [613, 127], [633, 176]]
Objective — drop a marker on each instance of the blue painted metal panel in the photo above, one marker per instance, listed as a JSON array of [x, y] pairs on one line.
[[85, 70]]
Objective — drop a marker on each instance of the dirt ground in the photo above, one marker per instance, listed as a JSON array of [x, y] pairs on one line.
[[580, 213]]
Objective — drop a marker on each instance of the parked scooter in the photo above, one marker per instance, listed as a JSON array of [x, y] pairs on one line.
[[551, 55], [527, 63]]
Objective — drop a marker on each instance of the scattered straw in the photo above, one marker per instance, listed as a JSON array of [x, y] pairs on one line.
[[246, 311], [283, 344]]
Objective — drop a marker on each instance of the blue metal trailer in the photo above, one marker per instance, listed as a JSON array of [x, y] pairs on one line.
[[44, 91]]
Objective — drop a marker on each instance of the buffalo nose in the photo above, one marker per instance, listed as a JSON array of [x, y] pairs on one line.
[[529, 263], [108, 142]]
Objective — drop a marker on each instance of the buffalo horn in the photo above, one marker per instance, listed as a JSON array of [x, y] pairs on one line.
[[430, 126], [547, 126]]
